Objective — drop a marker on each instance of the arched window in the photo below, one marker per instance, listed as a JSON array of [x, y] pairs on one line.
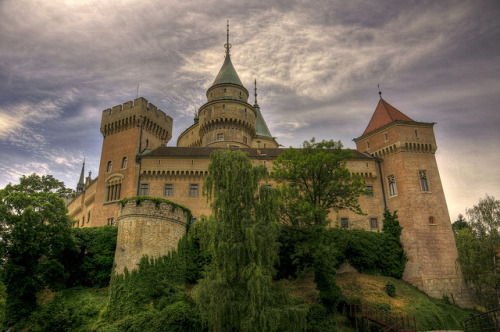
[[225, 90], [114, 188], [124, 162], [110, 166]]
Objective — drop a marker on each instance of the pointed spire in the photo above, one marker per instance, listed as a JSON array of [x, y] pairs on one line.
[[255, 94], [81, 183], [227, 45], [384, 114]]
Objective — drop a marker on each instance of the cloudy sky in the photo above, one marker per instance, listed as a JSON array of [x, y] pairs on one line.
[[317, 64]]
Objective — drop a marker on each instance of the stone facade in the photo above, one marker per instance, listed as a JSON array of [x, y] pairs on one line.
[[395, 156], [147, 229]]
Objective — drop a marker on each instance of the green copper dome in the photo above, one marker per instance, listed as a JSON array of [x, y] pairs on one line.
[[227, 74]]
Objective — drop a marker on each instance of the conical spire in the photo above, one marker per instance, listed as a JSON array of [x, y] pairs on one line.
[[81, 184], [261, 128], [227, 74]]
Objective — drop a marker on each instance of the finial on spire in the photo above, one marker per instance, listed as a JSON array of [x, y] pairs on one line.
[[255, 93], [227, 45], [379, 92]]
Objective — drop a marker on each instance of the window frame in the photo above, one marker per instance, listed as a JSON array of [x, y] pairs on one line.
[[145, 189], [422, 178], [391, 182], [194, 189], [344, 223], [373, 223], [124, 162], [170, 190]]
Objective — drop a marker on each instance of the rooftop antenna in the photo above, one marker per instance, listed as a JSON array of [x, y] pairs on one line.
[[379, 92], [227, 45]]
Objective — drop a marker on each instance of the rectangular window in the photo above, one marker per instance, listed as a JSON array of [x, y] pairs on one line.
[[422, 174], [416, 132], [193, 190], [392, 185], [220, 136], [144, 189], [373, 223], [344, 222], [83, 220], [88, 218], [386, 138], [169, 189], [367, 144], [245, 140], [370, 194], [110, 221]]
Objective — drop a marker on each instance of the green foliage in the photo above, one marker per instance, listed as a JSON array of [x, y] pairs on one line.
[[241, 237], [94, 255], [390, 289], [478, 251], [36, 241], [459, 224], [368, 252], [315, 180], [391, 224]]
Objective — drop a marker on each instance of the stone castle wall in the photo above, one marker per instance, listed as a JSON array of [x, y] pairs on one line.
[[147, 229]]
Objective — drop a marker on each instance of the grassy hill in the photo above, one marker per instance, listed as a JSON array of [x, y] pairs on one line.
[[431, 314]]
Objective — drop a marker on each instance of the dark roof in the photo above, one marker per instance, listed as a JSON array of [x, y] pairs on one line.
[[384, 114], [171, 151]]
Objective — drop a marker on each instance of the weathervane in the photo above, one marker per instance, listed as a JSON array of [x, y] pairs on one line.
[[379, 92], [227, 45]]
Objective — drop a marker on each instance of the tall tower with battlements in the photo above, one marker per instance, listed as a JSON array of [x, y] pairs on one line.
[[128, 131], [410, 178]]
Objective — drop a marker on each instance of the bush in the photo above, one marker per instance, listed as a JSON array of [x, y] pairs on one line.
[[93, 258], [390, 289]]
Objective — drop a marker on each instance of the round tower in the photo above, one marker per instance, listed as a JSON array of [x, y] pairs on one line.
[[227, 119]]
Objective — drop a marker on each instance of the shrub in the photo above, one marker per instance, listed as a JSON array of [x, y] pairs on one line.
[[390, 289]]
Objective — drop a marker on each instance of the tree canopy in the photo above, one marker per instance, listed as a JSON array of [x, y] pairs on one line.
[[315, 180], [241, 235], [35, 232], [478, 249]]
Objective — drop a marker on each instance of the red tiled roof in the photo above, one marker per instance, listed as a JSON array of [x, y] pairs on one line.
[[384, 114]]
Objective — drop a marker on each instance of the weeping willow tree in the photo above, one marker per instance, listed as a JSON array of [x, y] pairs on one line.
[[241, 235]]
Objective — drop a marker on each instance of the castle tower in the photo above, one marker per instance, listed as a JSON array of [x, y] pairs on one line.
[[128, 131], [227, 119], [413, 187]]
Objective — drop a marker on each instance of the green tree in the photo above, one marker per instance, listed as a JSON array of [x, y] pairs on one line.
[[478, 247], [315, 180], [36, 238], [237, 293], [459, 224]]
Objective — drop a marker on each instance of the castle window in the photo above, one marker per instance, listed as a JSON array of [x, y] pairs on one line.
[[110, 221], [220, 136], [88, 218], [373, 223], [147, 143], [144, 189], [83, 221], [240, 93], [124, 162], [169, 189], [113, 191], [245, 113], [223, 106], [193, 190], [431, 220], [344, 222], [159, 162], [367, 144], [225, 90], [422, 174], [109, 167], [416, 132], [386, 138], [392, 185], [370, 194], [245, 140]]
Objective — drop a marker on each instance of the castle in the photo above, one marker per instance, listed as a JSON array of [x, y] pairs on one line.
[[394, 155]]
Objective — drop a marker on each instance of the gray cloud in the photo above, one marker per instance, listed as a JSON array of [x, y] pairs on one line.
[[62, 63]]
